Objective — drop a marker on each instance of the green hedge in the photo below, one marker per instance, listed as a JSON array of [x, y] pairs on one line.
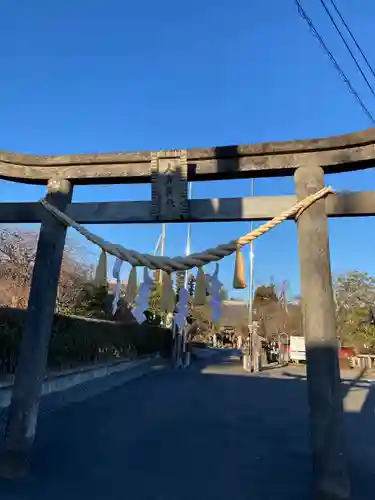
[[76, 340]]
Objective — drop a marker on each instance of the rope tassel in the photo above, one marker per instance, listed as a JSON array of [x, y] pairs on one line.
[[215, 301], [239, 279], [167, 299], [200, 288], [131, 289], [101, 270]]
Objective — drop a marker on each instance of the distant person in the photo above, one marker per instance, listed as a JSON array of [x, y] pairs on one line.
[[239, 342]]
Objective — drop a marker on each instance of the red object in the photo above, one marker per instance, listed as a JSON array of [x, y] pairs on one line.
[[346, 352]]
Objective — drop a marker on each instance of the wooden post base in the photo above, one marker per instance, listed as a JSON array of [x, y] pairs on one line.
[[14, 465]]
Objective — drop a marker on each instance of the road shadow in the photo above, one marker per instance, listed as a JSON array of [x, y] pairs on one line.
[[210, 432]]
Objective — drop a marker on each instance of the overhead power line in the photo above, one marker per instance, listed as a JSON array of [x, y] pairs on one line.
[[347, 46], [343, 76], [353, 37]]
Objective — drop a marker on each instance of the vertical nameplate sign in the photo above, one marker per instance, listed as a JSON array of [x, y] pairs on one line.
[[169, 185]]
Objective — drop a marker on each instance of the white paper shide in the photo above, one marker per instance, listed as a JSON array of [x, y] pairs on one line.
[[116, 275], [141, 302], [182, 308]]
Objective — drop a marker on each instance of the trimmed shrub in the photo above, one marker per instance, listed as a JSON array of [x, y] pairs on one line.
[[76, 340]]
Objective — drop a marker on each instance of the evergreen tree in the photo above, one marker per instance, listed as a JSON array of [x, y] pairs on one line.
[[93, 301], [191, 285]]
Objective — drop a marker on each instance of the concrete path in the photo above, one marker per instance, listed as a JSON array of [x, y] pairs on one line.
[[211, 432]]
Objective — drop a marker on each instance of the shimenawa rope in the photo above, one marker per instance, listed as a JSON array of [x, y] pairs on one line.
[[169, 264]]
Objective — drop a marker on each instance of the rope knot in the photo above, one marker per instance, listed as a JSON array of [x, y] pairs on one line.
[[311, 199]]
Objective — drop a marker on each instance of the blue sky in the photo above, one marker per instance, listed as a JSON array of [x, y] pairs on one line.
[[92, 76]]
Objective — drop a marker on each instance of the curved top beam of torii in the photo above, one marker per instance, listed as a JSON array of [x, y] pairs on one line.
[[341, 153]]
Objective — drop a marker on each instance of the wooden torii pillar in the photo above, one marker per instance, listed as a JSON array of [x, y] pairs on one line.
[[32, 360], [327, 438]]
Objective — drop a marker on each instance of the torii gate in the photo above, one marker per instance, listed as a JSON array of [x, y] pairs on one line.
[[169, 171]]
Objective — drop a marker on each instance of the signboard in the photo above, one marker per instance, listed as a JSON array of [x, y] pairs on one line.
[[169, 185], [297, 349]]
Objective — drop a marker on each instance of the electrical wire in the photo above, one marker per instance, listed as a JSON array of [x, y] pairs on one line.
[[343, 76], [352, 37], [347, 46]]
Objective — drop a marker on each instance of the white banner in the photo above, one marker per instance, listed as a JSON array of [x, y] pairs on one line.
[[297, 349]]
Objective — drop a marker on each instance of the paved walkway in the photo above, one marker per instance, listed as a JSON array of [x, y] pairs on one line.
[[207, 433]]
